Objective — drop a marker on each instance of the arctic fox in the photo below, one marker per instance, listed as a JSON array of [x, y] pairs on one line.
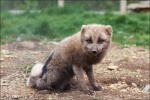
[[72, 57]]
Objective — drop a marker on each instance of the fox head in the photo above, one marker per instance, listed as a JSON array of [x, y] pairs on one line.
[[95, 38]]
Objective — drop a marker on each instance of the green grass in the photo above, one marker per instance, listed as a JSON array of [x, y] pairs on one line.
[[26, 69], [56, 23]]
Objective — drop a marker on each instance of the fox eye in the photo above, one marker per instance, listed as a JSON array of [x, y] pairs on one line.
[[89, 40], [100, 40]]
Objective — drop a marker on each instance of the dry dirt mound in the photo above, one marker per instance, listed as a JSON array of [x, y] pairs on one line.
[[125, 81]]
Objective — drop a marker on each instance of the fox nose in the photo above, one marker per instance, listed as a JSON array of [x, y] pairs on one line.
[[94, 52]]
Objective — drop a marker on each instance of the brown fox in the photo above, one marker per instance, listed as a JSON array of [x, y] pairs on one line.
[[72, 57]]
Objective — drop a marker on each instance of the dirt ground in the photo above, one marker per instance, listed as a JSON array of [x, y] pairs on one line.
[[123, 83]]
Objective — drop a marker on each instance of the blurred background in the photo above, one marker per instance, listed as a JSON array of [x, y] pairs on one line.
[[53, 20]]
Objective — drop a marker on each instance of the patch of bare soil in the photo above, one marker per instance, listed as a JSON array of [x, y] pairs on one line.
[[125, 82]]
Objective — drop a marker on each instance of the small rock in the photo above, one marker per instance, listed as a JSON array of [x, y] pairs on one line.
[[123, 82], [34, 52], [2, 66], [124, 85], [104, 88], [112, 67], [128, 88], [113, 86], [121, 96], [9, 56], [5, 52], [119, 82], [56, 93], [147, 87], [119, 69], [123, 78], [1, 59], [15, 96], [119, 86], [4, 82], [134, 85], [135, 90], [123, 90], [41, 43], [106, 71], [138, 70], [134, 57]]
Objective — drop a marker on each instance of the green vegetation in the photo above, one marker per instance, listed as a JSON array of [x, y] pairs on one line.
[[56, 23], [26, 69]]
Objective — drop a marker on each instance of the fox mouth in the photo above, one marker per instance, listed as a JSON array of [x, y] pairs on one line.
[[94, 54]]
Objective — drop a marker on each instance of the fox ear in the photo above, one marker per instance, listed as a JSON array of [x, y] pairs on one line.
[[83, 28], [109, 30]]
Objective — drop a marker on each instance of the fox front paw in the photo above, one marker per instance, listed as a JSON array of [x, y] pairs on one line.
[[97, 88]]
